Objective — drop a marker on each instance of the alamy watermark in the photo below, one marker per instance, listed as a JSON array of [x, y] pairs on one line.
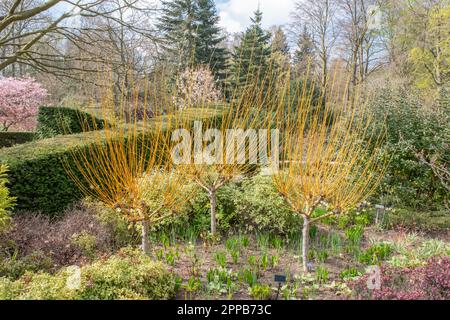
[[227, 147], [73, 281], [374, 278], [374, 18]]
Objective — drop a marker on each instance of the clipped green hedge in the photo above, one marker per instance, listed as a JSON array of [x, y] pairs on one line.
[[36, 171], [37, 177], [53, 121], [37, 174], [128, 275], [9, 139]]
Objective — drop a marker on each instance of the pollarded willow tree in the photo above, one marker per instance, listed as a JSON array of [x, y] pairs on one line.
[[325, 161], [229, 147], [126, 167]]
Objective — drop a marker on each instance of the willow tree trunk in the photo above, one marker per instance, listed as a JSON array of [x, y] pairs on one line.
[[144, 239], [213, 203], [305, 243]]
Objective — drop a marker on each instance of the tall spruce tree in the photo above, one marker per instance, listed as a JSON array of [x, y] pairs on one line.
[[191, 35], [208, 50], [279, 41], [304, 53], [251, 58], [178, 25], [281, 56]]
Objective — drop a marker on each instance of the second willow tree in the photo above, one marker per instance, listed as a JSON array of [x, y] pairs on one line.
[[327, 163]]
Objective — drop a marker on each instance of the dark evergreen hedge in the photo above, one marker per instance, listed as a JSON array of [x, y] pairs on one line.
[[9, 139], [53, 121], [37, 174]]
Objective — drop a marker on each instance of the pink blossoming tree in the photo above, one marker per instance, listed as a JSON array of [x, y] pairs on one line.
[[19, 102]]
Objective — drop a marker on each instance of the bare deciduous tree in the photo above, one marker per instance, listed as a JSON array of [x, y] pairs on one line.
[[69, 38], [319, 17], [360, 38]]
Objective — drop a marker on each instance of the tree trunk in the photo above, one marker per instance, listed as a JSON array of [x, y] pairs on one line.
[[145, 242], [212, 201], [324, 76], [305, 243]]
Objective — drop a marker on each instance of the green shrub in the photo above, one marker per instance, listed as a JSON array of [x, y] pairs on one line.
[[40, 286], [419, 220], [9, 139], [119, 226], [260, 208], [252, 205], [361, 218], [411, 128], [127, 275], [86, 242], [376, 253], [129, 272], [14, 268], [197, 212], [6, 202], [53, 121], [37, 176]]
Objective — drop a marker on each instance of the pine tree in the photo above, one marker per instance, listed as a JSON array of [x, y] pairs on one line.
[[280, 51], [179, 29], [191, 36], [304, 54], [209, 38], [279, 41], [251, 59]]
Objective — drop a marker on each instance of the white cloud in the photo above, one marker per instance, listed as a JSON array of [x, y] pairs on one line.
[[235, 14]]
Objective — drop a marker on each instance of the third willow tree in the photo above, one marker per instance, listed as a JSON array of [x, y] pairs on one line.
[[328, 168]]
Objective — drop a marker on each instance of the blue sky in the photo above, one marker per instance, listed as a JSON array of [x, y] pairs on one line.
[[235, 14]]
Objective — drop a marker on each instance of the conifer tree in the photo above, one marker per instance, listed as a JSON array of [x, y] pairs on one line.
[[178, 25], [279, 41], [191, 35], [304, 53], [251, 58], [208, 50], [280, 52]]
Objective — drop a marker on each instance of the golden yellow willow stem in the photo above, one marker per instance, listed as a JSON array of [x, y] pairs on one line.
[[246, 108], [330, 157], [126, 165], [329, 153]]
